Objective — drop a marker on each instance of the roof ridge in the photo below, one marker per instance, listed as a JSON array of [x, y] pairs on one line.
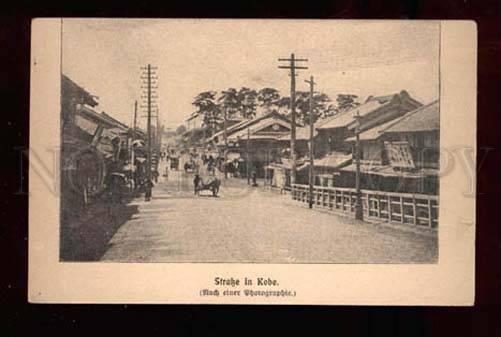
[[339, 114]]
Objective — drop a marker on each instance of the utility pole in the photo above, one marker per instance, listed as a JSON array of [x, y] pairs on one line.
[[157, 133], [225, 142], [293, 67], [135, 117], [359, 211], [310, 199], [149, 123], [133, 133], [149, 82], [247, 161], [132, 154]]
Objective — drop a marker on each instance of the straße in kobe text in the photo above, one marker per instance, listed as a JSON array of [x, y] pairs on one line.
[[234, 282]]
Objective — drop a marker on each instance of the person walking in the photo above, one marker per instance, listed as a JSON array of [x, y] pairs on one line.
[[148, 185], [254, 178], [196, 181]]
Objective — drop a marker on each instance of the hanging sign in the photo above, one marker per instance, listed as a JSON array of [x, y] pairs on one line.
[[399, 154]]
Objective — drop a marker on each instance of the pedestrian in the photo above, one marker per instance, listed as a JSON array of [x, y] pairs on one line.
[[166, 174], [148, 185], [196, 182], [254, 178]]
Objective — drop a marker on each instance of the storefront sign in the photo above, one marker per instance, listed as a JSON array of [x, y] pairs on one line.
[[86, 125], [399, 154]]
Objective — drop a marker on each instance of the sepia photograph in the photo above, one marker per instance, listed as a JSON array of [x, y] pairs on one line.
[[252, 161], [205, 141]]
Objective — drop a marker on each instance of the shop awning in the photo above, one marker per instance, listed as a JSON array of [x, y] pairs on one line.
[[232, 156]]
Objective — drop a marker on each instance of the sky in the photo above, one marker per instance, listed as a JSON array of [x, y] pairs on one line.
[[364, 58]]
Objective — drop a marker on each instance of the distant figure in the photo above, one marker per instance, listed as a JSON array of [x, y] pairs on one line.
[[254, 179], [148, 185], [235, 168], [196, 181], [166, 172], [116, 188]]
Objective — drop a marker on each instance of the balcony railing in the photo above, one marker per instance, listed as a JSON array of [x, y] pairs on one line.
[[407, 208]]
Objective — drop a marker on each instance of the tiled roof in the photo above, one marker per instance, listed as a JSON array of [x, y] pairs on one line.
[[347, 117], [115, 121], [70, 88], [333, 160], [375, 132], [302, 133], [257, 127], [425, 118], [370, 105], [88, 111], [247, 123]]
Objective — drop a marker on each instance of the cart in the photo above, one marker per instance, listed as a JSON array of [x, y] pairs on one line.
[[211, 185]]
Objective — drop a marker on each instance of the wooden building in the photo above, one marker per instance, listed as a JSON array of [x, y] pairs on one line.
[[93, 145], [260, 141], [333, 131], [401, 155]]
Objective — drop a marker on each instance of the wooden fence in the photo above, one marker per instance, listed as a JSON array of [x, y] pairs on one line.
[[415, 209]]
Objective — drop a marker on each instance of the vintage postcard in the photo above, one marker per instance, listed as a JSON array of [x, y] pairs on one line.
[[252, 161]]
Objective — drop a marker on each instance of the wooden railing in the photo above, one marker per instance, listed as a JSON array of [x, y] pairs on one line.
[[415, 209]]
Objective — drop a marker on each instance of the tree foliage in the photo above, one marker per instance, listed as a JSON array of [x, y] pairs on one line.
[[320, 101], [346, 102], [206, 105], [268, 98], [248, 102], [243, 103]]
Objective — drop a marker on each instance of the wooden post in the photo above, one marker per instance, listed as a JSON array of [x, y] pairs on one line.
[[148, 167], [430, 218], [414, 215], [293, 67], [389, 208], [311, 83], [402, 220], [225, 143], [132, 154], [248, 155], [359, 213], [378, 198]]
